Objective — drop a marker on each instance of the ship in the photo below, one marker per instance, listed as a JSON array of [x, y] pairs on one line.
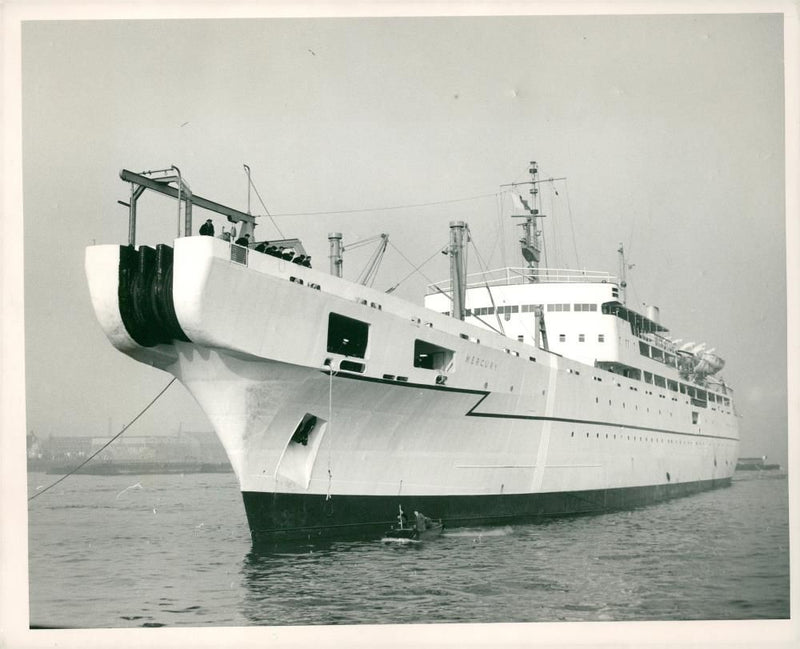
[[508, 396]]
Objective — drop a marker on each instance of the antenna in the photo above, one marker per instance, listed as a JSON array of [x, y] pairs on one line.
[[623, 267]]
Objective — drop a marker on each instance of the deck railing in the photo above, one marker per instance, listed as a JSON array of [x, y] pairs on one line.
[[511, 276]]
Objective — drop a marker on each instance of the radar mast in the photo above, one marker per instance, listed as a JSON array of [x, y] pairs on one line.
[[531, 240]]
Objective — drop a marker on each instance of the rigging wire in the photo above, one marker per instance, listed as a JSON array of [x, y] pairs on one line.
[[416, 268], [393, 207], [107, 444], [571, 223], [330, 428], [492, 327], [255, 189], [363, 242], [486, 284], [500, 231], [370, 271], [559, 255], [629, 247]]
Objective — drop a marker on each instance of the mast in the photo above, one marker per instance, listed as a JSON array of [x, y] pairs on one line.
[[622, 269], [335, 241], [458, 269], [531, 236]]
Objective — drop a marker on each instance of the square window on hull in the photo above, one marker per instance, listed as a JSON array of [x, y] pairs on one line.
[[431, 357], [347, 336]]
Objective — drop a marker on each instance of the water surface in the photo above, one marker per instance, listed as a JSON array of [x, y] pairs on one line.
[[173, 550]]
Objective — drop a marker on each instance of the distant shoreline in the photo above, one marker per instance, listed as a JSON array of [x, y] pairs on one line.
[[129, 468]]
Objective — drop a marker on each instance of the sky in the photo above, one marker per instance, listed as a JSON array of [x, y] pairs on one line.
[[668, 129]]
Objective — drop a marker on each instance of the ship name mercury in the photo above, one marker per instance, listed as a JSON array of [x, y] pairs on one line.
[[471, 359]]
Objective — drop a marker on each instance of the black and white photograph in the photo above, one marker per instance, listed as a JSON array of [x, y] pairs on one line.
[[381, 324]]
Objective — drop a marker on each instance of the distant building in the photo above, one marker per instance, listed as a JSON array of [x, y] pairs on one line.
[[199, 446], [755, 464], [34, 447], [66, 447]]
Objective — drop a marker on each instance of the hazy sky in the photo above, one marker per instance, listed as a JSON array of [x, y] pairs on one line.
[[669, 130]]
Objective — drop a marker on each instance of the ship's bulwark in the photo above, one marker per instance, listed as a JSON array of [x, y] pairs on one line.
[[278, 517]]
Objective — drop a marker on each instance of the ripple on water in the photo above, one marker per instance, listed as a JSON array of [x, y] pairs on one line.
[[678, 560]]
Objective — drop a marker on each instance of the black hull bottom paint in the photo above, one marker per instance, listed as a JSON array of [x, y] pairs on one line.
[[278, 517]]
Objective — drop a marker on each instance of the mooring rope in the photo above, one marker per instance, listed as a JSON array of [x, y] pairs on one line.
[[330, 427], [107, 444]]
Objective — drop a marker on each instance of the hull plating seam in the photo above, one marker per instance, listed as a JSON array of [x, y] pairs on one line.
[[499, 415]]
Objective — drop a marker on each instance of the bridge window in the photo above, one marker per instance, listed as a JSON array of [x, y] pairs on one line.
[[347, 336]]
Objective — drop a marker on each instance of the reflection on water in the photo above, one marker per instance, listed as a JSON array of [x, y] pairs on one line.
[[329, 583]]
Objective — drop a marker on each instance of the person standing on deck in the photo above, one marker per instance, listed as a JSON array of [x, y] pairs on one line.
[[207, 228]]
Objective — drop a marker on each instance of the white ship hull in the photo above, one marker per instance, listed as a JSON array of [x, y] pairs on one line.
[[325, 443]]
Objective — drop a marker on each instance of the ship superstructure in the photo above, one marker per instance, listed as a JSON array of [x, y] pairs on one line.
[[511, 395]]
